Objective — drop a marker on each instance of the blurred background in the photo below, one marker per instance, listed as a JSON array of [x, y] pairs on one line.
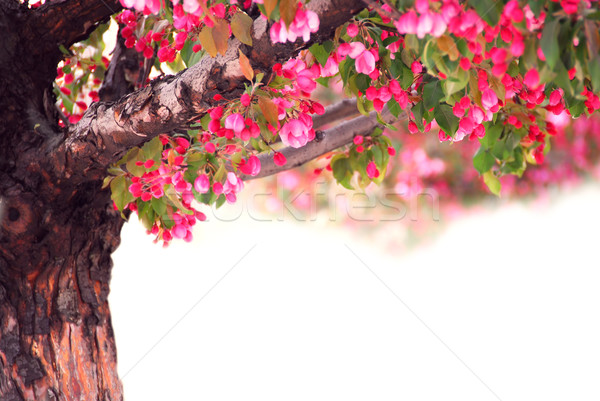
[[324, 295]]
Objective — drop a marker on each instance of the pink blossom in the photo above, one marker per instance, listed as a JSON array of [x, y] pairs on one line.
[[250, 167], [372, 171], [190, 6], [531, 79], [407, 23], [424, 25], [331, 68], [512, 11], [352, 30], [233, 185], [356, 49], [422, 6], [296, 132], [439, 26], [489, 99], [365, 62], [235, 122], [202, 184], [279, 159], [305, 22]]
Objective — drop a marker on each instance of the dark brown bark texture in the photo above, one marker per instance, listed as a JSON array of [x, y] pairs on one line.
[[57, 226]]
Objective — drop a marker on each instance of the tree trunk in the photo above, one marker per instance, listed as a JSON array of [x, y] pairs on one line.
[[57, 232]]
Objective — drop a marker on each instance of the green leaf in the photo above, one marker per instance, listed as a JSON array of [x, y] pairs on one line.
[[483, 160], [488, 10], [432, 94], [159, 206], [120, 192], [241, 27], [446, 119], [174, 200], [363, 82], [594, 67], [135, 155], [342, 172], [153, 149], [407, 77], [321, 52], [549, 42], [577, 108], [417, 111], [492, 182], [453, 85], [492, 133], [394, 107]]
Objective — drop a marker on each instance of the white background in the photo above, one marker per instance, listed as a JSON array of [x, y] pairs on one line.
[[503, 304]]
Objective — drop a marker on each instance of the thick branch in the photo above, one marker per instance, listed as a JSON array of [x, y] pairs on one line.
[[330, 140], [108, 129], [70, 21]]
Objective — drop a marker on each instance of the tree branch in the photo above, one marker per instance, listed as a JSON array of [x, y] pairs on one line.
[[124, 72], [70, 21], [332, 139], [107, 130], [335, 112]]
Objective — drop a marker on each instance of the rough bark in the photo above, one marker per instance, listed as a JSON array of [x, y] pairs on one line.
[[56, 237], [57, 226]]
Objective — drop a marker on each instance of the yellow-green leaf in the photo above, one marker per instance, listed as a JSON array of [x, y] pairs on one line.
[[447, 45], [221, 35], [269, 110], [207, 41], [270, 6], [287, 10], [492, 182], [241, 26], [246, 67], [120, 192]]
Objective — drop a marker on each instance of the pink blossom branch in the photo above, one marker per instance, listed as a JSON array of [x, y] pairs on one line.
[[107, 130], [328, 140]]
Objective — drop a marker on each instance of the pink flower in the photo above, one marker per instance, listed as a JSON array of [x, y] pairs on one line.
[[424, 25], [202, 184], [296, 132], [250, 167], [407, 23], [555, 97], [372, 170], [352, 30], [305, 23], [217, 188], [235, 122], [532, 79], [489, 99], [233, 185], [422, 6], [439, 26], [279, 159], [365, 62], [512, 11], [465, 63]]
